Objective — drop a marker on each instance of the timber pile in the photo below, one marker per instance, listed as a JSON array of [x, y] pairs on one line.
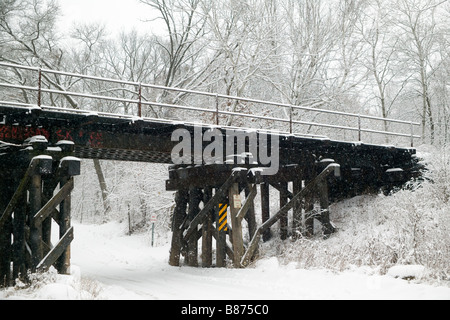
[[305, 189], [29, 199]]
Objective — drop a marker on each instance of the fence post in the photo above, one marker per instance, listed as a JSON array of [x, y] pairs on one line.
[[412, 135]]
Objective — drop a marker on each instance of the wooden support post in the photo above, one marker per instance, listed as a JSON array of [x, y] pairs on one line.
[[250, 216], [68, 168], [327, 226], [297, 208], [35, 229], [49, 187], [5, 239], [248, 203], [195, 197], [19, 266], [5, 254], [238, 244], [284, 216], [265, 208], [39, 165], [308, 214], [221, 234], [179, 214], [63, 262], [207, 232], [5, 230]]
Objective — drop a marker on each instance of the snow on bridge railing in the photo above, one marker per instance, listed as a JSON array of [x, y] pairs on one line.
[[140, 100]]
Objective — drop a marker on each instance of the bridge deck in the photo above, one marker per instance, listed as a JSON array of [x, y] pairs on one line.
[[113, 137]]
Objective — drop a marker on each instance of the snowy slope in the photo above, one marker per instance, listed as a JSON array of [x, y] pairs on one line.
[[109, 264]]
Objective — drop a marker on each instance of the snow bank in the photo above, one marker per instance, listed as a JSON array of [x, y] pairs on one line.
[[406, 271]]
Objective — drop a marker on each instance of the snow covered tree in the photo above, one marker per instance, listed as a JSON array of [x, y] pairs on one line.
[[418, 34]]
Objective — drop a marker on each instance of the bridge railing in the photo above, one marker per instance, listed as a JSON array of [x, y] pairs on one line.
[[289, 116]]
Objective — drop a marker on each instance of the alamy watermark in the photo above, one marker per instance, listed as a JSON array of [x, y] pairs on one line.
[[213, 146]]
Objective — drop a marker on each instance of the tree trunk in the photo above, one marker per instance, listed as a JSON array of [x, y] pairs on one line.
[[103, 187]]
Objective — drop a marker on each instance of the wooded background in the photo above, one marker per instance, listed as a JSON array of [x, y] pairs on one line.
[[384, 58]]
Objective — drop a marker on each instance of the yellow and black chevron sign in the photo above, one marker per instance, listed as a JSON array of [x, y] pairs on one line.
[[223, 217]]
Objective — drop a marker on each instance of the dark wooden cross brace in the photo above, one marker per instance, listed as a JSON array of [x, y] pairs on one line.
[[185, 227], [14, 201], [309, 188], [188, 216], [36, 166], [33, 197], [42, 210]]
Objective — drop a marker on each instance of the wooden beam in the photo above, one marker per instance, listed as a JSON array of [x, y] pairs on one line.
[[5, 253], [227, 250], [266, 225], [308, 214], [250, 216], [195, 197], [19, 269], [21, 189], [35, 229], [57, 251], [265, 208], [297, 208], [277, 185], [327, 226], [220, 194], [65, 207], [309, 188], [247, 204], [207, 233], [284, 216], [238, 244], [220, 234], [36, 167], [49, 207], [5, 230], [47, 223], [179, 214]]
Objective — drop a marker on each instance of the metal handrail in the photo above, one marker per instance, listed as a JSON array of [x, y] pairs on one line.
[[140, 102]]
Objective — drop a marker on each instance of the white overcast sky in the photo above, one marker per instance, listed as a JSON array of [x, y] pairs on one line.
[[117, 15]]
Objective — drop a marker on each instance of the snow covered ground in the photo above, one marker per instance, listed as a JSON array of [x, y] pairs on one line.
[[109, 264]]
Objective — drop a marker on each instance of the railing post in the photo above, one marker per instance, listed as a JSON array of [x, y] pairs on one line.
[[39, 97], [140, 100], [412, 135], [217, 109], [359, 127], [290, 119]]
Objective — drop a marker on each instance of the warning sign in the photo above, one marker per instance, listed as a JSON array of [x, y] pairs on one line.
[[237, 201], [223, 217]]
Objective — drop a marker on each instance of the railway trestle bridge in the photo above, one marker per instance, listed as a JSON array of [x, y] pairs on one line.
[[41, 147]]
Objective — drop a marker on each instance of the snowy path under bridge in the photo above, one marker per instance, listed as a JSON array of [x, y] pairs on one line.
[[127, 267], [108, 264]]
